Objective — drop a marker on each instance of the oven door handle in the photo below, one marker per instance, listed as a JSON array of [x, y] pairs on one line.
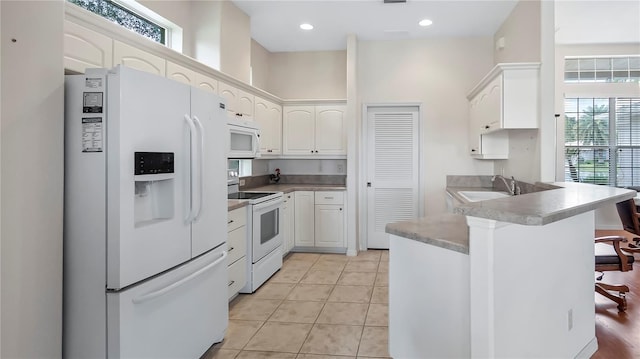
[[274, 203]]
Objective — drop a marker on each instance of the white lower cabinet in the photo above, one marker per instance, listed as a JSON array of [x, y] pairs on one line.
[[320, 219], [237, 249], [288, 224]]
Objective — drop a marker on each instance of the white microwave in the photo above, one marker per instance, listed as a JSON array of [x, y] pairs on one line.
[[243, 139]]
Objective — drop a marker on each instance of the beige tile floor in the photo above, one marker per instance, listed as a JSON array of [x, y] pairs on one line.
[[318, 306]]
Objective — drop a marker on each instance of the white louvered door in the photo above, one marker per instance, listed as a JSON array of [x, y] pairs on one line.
[[392, 170]]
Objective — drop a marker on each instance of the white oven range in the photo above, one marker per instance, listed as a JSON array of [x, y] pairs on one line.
[[264, 256]]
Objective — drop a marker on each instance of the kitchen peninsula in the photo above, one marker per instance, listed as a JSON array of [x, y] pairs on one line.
[[508, 277]]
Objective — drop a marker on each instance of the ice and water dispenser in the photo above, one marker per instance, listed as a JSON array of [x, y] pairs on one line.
[[154, 187]]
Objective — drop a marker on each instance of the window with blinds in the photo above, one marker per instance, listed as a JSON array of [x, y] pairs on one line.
[[602, 141]]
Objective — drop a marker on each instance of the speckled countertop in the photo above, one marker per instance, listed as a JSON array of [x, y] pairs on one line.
[[236, 203], [544, 207], [284, 188], [447, 230], [450, 231]]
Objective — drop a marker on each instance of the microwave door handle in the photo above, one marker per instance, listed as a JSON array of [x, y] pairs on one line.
[[256, 150], [192, 151], [201, 155]]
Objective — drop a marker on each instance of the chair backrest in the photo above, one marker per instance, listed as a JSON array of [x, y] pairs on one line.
[[628, 215]]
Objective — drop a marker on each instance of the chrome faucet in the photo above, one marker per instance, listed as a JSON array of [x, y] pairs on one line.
[[511, 185]]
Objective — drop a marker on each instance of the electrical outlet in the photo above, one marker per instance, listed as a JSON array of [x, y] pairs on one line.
[[570, 319], [241, 182], [340, 168]]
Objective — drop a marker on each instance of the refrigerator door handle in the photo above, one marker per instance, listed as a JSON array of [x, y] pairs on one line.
[[193, 149], [150, 296], [201, 155]]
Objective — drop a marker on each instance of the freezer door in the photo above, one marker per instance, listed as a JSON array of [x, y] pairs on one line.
[[148, 175], [210, 224], [179, 314]]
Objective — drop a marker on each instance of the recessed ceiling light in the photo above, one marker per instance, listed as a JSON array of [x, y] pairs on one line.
[[306, 26], [425, 22]]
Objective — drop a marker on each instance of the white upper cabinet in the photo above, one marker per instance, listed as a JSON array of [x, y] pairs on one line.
[[299, 130], [314, 130], [269, 116], [137, 59], [206, 83], [331, 136], [240, 104], [84, 48], [181, 74], [506, 98]]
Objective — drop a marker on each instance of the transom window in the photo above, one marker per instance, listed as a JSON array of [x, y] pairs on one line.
[[602, 141], [133, 16], [602, 69]]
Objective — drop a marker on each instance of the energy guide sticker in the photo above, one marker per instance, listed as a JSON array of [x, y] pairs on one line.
[[92, 134]]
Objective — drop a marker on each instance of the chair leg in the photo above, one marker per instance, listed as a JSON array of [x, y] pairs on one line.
[[621, 299]]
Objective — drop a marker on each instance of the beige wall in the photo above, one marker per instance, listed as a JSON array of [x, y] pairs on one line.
[[235, 42], [521, 33], [204, 38], [260, 60], [308, 75], [32, 179], [437, 74], [522, 43]]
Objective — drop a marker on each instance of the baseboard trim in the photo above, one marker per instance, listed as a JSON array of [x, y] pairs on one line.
[[589, 349]]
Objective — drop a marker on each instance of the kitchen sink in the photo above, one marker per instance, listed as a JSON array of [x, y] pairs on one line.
[[475, 196]]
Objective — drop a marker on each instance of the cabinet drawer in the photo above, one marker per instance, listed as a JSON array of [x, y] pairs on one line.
[[237, 218], [237, 244], [329, 197], [237, 276]]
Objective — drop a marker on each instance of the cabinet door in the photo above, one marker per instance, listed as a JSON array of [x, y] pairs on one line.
[[230, 94], [291, 224], [304, 219], [206, 83], [329, 225], [269, 116], [330, 130], [286, 224], [84, 48], [181, 74], [245, 105], [137, 59], [490, 106], [298, 130]]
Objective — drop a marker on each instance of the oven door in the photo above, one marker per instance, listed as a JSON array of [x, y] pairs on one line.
[[266, 228]]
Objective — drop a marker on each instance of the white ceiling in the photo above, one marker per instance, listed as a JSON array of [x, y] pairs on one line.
[[275, 23]]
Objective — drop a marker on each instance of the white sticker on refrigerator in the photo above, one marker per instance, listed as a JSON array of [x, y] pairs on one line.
[[92, 134]]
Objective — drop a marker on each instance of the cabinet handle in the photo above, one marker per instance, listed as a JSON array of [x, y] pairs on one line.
[[231, 283], [269, 150], [230, 249], [486, 127], [316, 151], [341, 208], [328, 198], [231, 221], [311, 151], [473, 150]]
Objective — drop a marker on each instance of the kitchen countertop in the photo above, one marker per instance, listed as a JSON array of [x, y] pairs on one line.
[[284, 188], [236, 203], [450, 231], [544, 207], [447, 230]]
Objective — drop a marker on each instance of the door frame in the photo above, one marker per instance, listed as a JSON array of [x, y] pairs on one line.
[[362, 167]]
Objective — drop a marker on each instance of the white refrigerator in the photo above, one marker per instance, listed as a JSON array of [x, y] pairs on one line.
[[145, 218]]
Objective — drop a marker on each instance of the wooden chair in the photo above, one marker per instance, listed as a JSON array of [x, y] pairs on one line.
[[609, 256]]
